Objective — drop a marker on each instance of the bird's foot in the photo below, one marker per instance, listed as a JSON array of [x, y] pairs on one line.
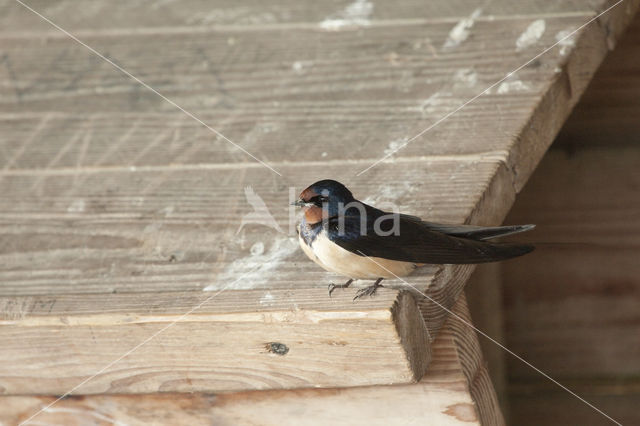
[[333, 286], [369, 291]]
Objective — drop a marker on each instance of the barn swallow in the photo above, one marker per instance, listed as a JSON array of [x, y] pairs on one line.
[[348, 237]]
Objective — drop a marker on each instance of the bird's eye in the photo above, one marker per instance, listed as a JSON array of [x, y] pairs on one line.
[[318, 200]]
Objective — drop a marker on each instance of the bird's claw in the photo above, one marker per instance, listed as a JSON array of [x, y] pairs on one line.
[[331, 287], [367, 291]]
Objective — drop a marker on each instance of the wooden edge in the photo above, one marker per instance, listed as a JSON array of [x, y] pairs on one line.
[[413, 333], [449, 281], [484, 296], [455, 391], [234, 341], [591, 46], [474, 366]]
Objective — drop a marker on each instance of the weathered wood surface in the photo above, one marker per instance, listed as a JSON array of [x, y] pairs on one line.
[[106, 187], [194, 15], [451, 393], [484, 293], [608, 111], [239, 340]]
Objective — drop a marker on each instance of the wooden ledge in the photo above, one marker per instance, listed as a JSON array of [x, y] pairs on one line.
[[237, 340], [455, 391]]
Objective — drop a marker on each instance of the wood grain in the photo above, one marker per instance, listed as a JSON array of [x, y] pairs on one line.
[[228, 341], [143, 231], [373, 88], [607, 111], [447, 395], [107, 188], [484, 293], [194, 15]]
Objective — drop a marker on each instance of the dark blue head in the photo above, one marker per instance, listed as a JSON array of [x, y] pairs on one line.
[[325, 194]]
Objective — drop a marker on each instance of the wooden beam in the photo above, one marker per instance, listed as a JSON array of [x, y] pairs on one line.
[[606, 112], [455, 391], [106, 188], [484, 293], [232, 340]]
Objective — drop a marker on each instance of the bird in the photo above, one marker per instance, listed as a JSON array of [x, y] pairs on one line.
[[351, 238]]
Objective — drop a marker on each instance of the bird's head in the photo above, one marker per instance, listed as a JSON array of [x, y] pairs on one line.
[[326, 197]]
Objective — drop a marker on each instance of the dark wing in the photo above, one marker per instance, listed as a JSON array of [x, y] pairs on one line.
[[471, 231], [412, 241]]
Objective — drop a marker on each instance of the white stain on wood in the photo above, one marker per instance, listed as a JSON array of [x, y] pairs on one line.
[[566, 40], [299, 67], [513, 86], [465, 77], [431, 104], [460, 32], [256, 269], [531, 35], [267, 299], [78, 206], [357, 14], [257, 249], [395, 145]]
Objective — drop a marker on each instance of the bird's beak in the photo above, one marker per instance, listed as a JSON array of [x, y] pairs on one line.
[[301, 203]]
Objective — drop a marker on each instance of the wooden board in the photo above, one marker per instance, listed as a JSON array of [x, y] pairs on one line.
[[453, 392], [106, 187], [607, 111], [370, 88], [194, 15], [233, 341], [484, 293], [186, 230]]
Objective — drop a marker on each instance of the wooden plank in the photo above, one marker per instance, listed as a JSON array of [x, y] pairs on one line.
[[484, 293], [232, 341], [129, 277], [199, 14], [139, 231], [60, 185], [448, 394], [606, 112], [385, 85]]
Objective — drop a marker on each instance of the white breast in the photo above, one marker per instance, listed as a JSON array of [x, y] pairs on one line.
[[334, 258]]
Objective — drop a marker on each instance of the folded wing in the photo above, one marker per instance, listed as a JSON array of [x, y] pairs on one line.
[[472, 231], [423, 242]]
